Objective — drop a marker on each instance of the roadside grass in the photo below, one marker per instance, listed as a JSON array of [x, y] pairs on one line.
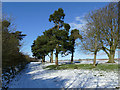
[[104, 67]]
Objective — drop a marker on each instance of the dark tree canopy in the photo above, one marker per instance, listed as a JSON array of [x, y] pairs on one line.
[[57, 17], [19, 35], [11, 54]]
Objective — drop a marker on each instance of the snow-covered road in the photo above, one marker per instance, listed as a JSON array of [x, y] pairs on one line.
[[34, 76]]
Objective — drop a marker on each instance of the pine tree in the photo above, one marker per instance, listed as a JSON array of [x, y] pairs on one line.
[[57, 18], [39, 47], [74, 35]]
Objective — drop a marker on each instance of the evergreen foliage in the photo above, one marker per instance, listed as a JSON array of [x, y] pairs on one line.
[[10, 46]]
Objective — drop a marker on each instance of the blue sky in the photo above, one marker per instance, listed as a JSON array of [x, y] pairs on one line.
[[32, 18]]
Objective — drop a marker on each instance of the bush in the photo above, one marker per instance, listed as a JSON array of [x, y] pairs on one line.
[[13, 61]]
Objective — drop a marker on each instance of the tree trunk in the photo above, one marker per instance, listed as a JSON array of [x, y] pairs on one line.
[[72, 57], [111, 57], [43, 59], [56, 55], [73, 42], [95, 52], [94, 62], [56, 58], [51, 57]]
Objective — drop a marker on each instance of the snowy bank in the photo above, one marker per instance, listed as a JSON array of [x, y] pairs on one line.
[[34, 76]]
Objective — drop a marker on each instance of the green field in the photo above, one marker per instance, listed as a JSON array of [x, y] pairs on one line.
[[105, 67]]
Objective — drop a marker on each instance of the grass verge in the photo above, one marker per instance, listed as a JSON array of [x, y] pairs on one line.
[[104, 67]]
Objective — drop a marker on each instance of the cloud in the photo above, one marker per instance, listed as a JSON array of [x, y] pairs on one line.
[[77, 19], [78, 23], [80, 19], [76, 26]]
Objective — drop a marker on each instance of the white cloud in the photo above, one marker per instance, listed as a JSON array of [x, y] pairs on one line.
[[78, 23], [77, 19], [80, 19], [76, 26]]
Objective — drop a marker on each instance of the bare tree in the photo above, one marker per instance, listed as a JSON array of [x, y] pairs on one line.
[[102, 32], [90, 34], [109, 33]]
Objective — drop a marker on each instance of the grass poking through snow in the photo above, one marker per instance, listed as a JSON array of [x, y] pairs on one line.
[[104, 67]]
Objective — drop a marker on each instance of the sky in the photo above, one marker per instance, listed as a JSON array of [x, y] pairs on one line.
[[32, 18]]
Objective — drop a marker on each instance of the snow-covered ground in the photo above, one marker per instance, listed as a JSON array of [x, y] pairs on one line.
[[34, 76]]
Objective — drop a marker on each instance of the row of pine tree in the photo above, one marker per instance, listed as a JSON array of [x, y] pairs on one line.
[[56, 39]]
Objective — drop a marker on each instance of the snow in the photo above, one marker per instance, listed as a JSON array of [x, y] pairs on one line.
[[34, 76]]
